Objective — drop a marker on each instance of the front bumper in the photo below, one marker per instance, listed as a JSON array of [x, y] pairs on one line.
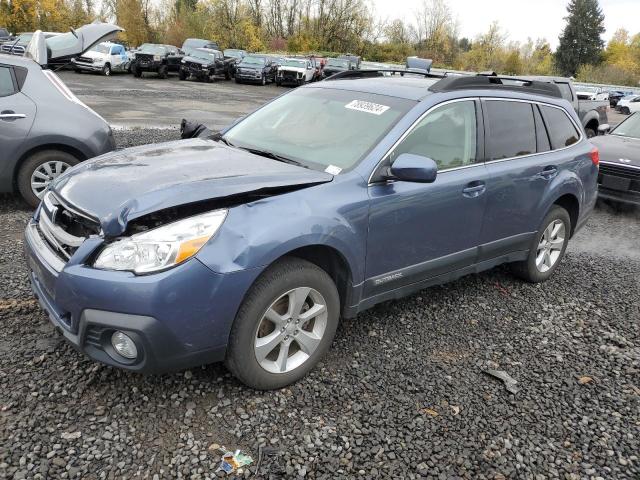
[[253, 76], [148, 66], [178, 318], [88, 67], [630, 198]]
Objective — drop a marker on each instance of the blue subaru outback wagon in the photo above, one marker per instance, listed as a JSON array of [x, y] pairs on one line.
[[248, 247]]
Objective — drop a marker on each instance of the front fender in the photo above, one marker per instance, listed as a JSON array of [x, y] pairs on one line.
[[256, 234]]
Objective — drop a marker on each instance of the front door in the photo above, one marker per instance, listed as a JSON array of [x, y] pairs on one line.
[[17, 113], [419, 231]]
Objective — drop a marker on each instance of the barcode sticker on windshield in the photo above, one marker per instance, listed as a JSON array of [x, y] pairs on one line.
[[333, 170], [367, 107]]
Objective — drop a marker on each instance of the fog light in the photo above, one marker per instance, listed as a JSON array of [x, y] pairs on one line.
[[123, 344]]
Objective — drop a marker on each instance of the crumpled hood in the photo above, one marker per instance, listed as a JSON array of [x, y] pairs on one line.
[[124, 185], [197, 60], [292, 69], [618, 149]]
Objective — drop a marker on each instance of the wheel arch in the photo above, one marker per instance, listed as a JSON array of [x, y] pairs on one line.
[[571, 204], [331, 261], [40, 148]]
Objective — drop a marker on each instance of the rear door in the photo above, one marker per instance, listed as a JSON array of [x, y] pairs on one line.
[[519, 173], [422, 230], [17, 113]]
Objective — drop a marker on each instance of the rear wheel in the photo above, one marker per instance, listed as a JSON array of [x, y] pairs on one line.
[[284, 326], [547, 248], [162, 71], [106, 70], [37, 172]]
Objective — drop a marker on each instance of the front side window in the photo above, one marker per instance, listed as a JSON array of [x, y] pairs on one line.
[[346, 126], [6, 82], [561, 130], [511, 129], [447, 135], [100, 48]]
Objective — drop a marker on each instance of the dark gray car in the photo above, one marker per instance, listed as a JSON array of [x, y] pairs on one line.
[[44, 128]]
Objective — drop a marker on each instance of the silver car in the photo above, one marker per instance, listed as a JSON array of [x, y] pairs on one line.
[[44, 128]]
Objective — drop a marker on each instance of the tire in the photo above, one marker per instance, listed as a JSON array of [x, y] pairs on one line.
[[529, 270], [77, 70], [264, 80], [625, 110], [136, 71], [227, 75], [278, 83], [33, 163], [238, 80], [182, 75], [106, 70], [274, 285], [162, 72], [590, 132]]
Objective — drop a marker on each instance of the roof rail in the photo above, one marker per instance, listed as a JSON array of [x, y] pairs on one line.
[[487, 81], [371, 73]]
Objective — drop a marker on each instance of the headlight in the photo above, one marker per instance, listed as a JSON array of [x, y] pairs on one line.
[[97, 60], [162, 247], [183, 61], [204, 67], [156, 58]]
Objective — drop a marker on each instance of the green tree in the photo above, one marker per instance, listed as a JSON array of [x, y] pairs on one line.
[[581, 40]]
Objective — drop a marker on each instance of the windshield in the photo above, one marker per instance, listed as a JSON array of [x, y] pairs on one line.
[[346, 126], [336, 62], [202, 55], [628, 128], [24, 38], [294, 63], [100, 48], [254, 60], [154, 49], [233, 53]]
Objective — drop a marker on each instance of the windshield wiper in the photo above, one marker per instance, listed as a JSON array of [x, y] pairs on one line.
[[274, 156], [218, 137]]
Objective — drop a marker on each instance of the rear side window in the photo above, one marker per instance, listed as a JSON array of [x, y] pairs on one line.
[[561, 129], [542, 138], [6, 82], [511, 129]]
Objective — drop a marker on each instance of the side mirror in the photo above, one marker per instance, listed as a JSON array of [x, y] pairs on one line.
[[414, 168], [604, 129]]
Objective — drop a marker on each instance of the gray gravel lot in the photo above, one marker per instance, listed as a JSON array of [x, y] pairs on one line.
[[402, 393]]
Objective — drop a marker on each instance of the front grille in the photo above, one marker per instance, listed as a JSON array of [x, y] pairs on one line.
[[620, 171], [144, 57], [289, 75], [62, 229], [84, 60], [194, 66]]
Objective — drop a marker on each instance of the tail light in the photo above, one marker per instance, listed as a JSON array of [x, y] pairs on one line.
[[595, 156]]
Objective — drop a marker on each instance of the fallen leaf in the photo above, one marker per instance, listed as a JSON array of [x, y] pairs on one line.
[[585, 380], [429, 411], [455, 409]]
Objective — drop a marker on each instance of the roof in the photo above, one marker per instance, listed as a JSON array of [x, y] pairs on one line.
[[17, 60], [410, 88]]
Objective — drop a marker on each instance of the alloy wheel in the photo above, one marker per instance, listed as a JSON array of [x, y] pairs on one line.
[[291, 330], [44, 174], [550, 246]]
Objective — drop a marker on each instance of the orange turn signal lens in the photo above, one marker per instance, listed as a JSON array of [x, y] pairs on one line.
[[190, 248]]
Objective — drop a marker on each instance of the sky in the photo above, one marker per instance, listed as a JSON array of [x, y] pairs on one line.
[[519, 19]]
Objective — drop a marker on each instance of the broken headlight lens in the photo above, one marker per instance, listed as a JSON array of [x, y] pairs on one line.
[[162, 247]]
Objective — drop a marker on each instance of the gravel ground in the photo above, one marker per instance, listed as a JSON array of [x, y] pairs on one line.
[[402, 393]]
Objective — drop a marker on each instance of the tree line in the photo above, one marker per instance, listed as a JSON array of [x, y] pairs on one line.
[[339, 26]]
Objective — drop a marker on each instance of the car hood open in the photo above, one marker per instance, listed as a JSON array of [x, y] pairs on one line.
[[62, 48], [124, 185], [618, 149]]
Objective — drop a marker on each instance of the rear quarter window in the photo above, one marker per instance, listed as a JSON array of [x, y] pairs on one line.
[[562, 131], [511, 129]]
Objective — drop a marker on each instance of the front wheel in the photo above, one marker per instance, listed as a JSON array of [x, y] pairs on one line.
[[182, 75], [106, 70], [547, 248], [284, 326], [162, 72], [590, 132], [37, 172], [264, 79]]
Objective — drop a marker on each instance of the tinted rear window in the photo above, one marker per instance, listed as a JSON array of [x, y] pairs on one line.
[[561, 129], [512, 131]]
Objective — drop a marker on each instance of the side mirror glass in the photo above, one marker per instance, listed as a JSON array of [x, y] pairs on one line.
[[604, 129], [414, 168]]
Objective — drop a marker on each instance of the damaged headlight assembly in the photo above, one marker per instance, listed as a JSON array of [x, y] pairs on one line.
[[163, 247]]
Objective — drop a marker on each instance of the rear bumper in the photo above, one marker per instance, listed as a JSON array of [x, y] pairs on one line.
[[178, 318]]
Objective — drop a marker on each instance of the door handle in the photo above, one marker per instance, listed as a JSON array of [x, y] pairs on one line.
[[549, 172], [11, 116], [474, 189]]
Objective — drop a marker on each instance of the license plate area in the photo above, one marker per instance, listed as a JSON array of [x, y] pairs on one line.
[[616, 183]]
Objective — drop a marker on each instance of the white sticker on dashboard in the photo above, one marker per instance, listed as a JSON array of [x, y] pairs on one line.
[[333, 170], [367, 107]]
